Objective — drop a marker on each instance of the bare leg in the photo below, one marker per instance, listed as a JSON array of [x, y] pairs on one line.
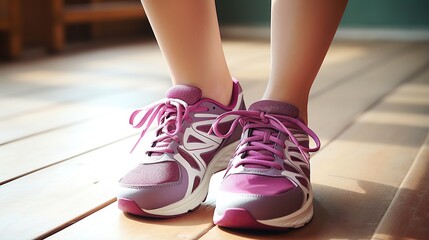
[[187, 32], [301, 32]]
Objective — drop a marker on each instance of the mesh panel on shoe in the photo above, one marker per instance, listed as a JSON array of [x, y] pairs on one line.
[[150, 174]]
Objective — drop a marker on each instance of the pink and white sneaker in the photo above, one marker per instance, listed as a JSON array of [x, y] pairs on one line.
[[267, 183], [173, 176]]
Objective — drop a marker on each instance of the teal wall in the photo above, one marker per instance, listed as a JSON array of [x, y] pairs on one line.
[[243, 12], [359, 13]]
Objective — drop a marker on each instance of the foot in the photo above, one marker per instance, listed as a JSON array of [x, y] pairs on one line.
[[173, 176], [267, 183]]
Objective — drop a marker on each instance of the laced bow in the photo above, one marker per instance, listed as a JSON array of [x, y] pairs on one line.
[[169, 113], [260, 149]]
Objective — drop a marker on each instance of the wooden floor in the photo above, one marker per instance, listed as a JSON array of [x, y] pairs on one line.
[[64, 143]]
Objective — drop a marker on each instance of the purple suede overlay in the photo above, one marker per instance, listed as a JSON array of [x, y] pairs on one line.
[[189, 94], [275, 107], [256, 184]]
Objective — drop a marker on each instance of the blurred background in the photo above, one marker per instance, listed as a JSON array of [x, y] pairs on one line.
[[52, 25], [363, 19]]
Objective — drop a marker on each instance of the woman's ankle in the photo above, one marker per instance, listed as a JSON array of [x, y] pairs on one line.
[[301, 104], [215, 89], [221, 92]]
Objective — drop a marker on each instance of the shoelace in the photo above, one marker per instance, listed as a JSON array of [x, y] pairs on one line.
[[170, 114], [259, 149]]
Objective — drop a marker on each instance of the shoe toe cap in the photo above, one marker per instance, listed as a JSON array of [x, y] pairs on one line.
[[153, 186], [263, 197]]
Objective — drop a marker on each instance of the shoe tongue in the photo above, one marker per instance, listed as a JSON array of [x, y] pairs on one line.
[[272, 107], [263, 152], [275, 107], [188, 94]]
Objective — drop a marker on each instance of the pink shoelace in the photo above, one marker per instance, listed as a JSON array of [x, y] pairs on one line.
[[170, 114], [259, 147]]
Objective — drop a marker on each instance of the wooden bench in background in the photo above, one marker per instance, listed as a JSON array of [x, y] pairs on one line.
[[62, 14], [16, 32], [10, 28]]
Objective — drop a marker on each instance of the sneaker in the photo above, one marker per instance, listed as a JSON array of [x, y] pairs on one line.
[[173, 176], [267, 183]]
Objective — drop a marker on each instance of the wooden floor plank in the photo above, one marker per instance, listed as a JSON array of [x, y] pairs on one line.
[[407, 216], [120, 226], [60, 144], [55, 146], [347, 101], [15, 105], [68, 113], [54, 196], [50, 82], [350, 59], [123, 66]]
